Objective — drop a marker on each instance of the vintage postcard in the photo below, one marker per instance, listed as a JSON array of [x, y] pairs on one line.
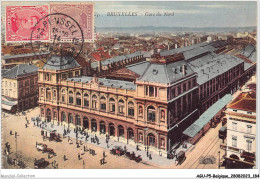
[[129, 85]]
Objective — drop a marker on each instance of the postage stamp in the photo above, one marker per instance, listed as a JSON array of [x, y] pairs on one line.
[[83, 13], [20, 20]]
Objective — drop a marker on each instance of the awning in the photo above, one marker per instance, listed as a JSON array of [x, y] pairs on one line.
[[6, 107], [193, 129]]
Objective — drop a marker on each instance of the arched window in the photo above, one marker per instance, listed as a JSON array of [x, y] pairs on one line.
[[63, 96], [112, 107], [78, 98], [140, 110], [103, 103], [63, 117], [70, 97], [48, 94], [131, 110], [151, 114], [162, 115], [78, 121], [70, 118], [94, 102], [121, 106], [86, 100]]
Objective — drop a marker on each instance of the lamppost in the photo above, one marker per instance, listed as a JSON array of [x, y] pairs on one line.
[[219, 159], [145, 139], [16, 144]]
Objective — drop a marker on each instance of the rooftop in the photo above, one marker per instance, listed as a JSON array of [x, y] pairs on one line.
[[106, 82], [20, 70], [24, 55], [116, 59], [209, 67], [165, 73], [245, 101], [60, 63]]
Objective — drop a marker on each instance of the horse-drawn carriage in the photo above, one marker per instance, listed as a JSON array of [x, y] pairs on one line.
[[43, 147]]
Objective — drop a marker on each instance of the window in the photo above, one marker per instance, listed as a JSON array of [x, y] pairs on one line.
[[5, 83], [151, 140], [70, 97], [189, 85], [48, 94], [78, 121], [64, 76], [63, 117], [47, 76], [162, 115], [103, 103], [151, 114], [54, 94], [234, 125], [10, 84], [162, 143], [121, 106], [63, 96], [249, 112], [94, 102], [42, 92], [151, 91], [70, 118], [76, 73], [78, 98], [184, 87], [131, 111], [112, 107], [140, 111], [249, 129], [234, 110], [234, 141], [179, 90], [86, 100], [140, 137], [248, 145]]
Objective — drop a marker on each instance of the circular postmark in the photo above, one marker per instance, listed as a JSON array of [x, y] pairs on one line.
[[66, 39]]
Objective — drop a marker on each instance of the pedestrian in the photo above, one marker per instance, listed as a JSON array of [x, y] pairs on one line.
[[64, 157], [125, 148], [36, 143], [83, 164], [49, 156], [150, 156], [93, 152], [57, 166], [15, 134], [104, 154], [147, 153], [86, 139], [78, 156], [84, 148], [107, 145], [11, 132], [101, 162]]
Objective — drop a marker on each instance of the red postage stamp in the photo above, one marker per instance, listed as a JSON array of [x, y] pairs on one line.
[[21, 20], [82, 13]]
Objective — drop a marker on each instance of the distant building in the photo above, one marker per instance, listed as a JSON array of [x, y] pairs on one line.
[[241, 131], [20, 88]]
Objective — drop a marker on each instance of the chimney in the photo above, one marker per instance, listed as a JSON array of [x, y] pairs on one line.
[[24, 71], [183, 70], [99, 66]]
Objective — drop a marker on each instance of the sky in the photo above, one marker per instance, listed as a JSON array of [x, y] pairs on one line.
[[186, 14]]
